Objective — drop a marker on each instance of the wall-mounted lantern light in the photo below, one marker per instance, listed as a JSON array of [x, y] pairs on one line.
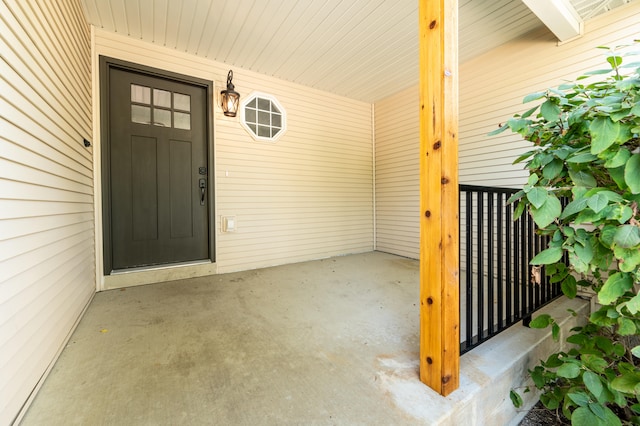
[[230, 98]]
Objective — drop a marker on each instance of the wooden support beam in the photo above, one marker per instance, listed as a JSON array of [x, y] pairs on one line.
[[439, 233]]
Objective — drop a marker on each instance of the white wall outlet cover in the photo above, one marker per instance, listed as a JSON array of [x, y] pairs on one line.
[[228, 223]]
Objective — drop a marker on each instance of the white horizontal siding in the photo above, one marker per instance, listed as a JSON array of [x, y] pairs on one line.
[[306, 196], [47, 261], [493, 85], [397, 130]]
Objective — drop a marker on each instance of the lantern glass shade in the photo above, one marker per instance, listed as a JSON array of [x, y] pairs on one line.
[[230, 102]]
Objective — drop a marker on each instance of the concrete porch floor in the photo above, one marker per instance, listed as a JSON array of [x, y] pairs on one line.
[[327, 342]]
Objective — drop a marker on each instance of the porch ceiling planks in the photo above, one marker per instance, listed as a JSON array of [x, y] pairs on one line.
[[439, 233], [362, 49]]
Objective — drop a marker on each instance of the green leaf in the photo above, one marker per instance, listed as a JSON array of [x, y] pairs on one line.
[[594, 363], [626, 383], [537, 196], [537, 377], [518, 210], [582, 416], [628, 258], [615, 61], [568, 370], [516, 399], [541, 321], [548, 212], [533, 97], [582, 178], [636, 351], [618, 212], [617, 174], [604, 133], [604, 343], [550, 111], [553, 361], [553, 169], [598, 410], [597, 202], [575, 206], [585, 157], [615, 286], [515, 197], [584, 251], [633, 306], [529, 112], [598, 72], [620, 159], [606, 235], [627, 236], [547, 256], [555, 332], [569, 287], [593, 383], [580, 398], [626, 327], [497, 131], [613, 197], [587, 216], [523, 156], [610, 418], [632, 174], [517, 124]]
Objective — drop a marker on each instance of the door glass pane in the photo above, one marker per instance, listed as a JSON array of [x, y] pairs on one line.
[[140, 94], [161, 98], [162, 117], [182, 102], [182, 120], [140, 114]]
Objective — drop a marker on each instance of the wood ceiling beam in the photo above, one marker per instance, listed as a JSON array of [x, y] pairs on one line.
[[439, 233]]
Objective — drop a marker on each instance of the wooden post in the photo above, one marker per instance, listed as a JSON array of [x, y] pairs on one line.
[[439, 233]]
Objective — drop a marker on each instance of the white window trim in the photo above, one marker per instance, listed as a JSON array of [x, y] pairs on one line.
[[272, 98]]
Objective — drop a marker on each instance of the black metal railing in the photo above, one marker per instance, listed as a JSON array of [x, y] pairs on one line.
[[496, 285]]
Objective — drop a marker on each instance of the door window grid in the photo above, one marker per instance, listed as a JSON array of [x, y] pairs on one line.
[[160, 107]]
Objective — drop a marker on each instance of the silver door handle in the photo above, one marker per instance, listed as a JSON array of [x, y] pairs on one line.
[[202, 183]]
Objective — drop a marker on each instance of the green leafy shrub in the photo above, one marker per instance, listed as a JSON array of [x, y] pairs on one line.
[[586, 138]]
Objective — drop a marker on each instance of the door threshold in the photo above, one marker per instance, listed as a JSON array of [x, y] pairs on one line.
[[161, 266], [157, 273]]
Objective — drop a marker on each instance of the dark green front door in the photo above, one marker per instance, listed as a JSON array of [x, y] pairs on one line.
[[158, 171]]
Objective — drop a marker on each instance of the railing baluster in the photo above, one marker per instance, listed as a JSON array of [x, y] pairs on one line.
[[490, 265], [469, 275], [499, 266], [509, 262], [524, 265], [501, 249], [480, 261], [517, 245]]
